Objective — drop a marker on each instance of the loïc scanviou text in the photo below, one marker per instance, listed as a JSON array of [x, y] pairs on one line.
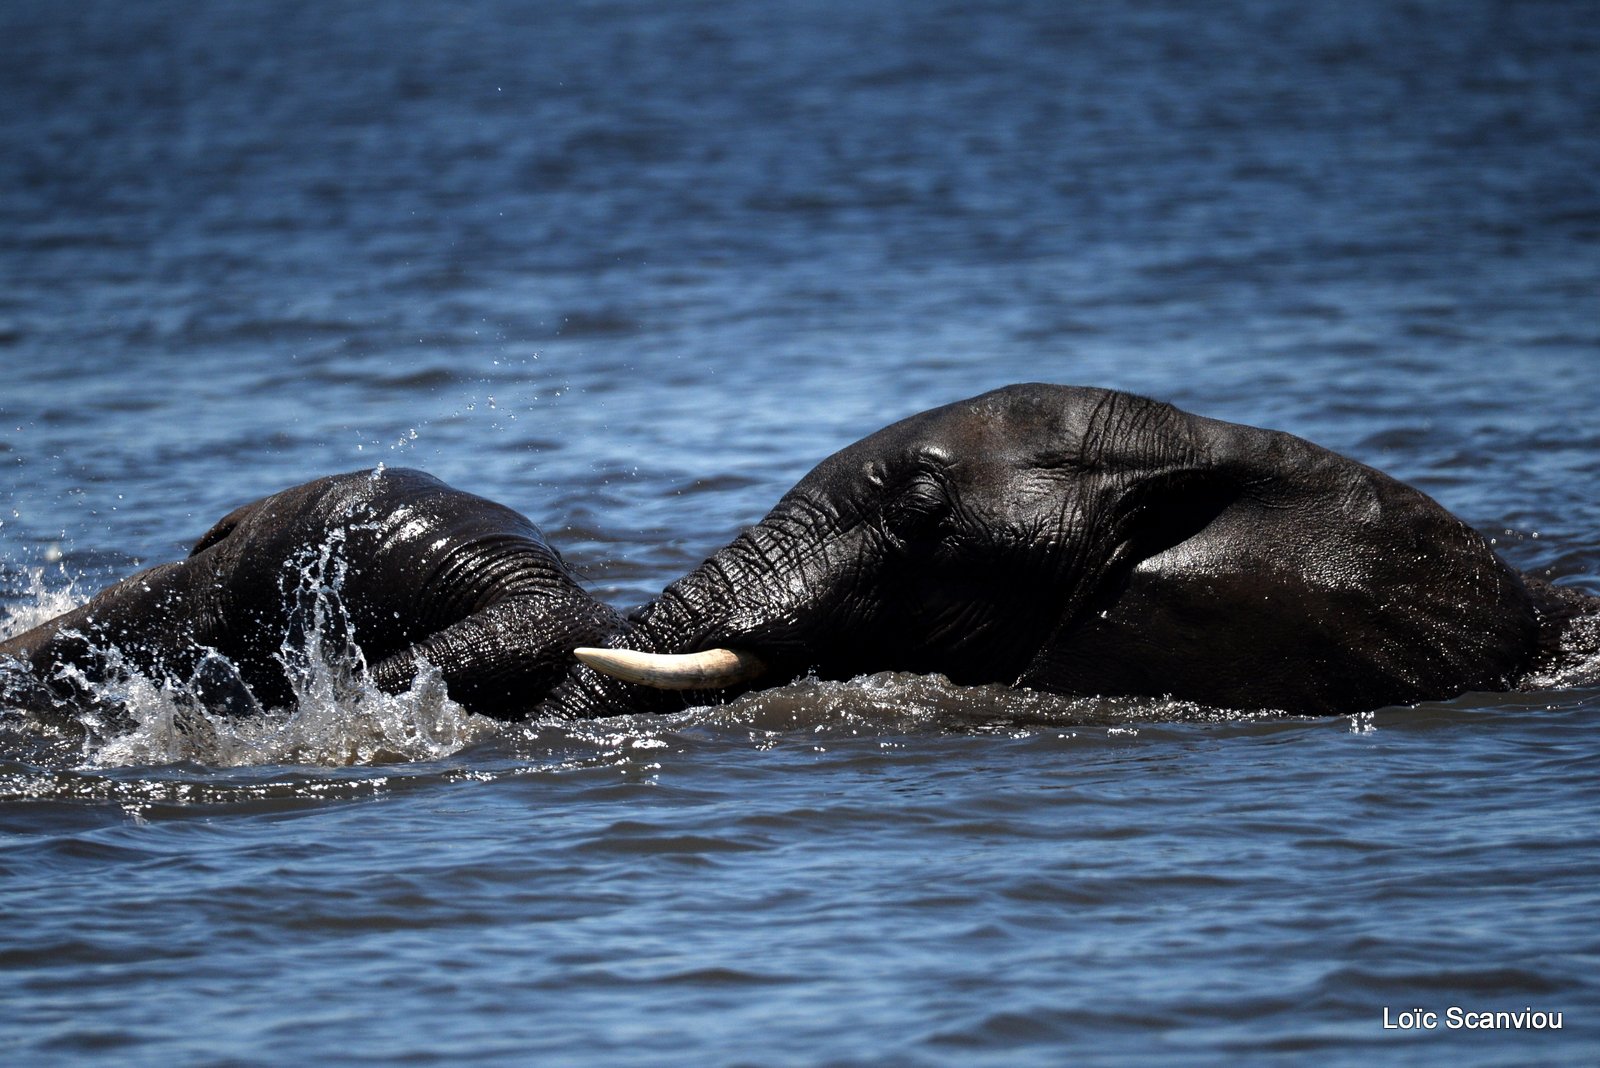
[[1456, 1018]]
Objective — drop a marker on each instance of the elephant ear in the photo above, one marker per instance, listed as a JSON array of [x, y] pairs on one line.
[[1160, 513], [1167, 510], [223, 527]]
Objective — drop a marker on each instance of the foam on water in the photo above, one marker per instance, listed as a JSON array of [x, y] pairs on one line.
[[897, 702]]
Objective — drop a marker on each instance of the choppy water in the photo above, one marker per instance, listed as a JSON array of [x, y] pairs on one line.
[[633, 269]]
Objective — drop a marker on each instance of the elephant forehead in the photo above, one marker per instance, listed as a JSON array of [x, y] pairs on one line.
[[1052, 426], [992, 441]]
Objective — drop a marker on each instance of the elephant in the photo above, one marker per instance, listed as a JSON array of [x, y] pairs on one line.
[[1089, 542], [1066, 539], [403, 565]]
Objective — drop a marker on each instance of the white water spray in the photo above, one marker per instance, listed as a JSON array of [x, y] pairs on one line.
[[335, 717]]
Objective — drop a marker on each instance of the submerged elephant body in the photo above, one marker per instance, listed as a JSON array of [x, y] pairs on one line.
[[1066, 539]]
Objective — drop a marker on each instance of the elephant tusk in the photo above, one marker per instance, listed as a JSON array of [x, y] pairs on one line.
[[713, 669]]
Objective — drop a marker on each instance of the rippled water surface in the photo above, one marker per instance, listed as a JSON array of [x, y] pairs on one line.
[[633, 269]]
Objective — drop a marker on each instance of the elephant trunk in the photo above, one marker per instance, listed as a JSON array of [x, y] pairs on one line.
[[653, 663], [748, 613]]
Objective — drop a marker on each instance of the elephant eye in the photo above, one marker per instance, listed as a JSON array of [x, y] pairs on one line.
[[925, 494], [916, 510]]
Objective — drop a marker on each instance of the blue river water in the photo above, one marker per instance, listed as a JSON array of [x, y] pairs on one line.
[[633, 269]]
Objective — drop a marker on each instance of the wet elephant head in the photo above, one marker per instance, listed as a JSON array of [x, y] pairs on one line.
[[1084, 541], [412, 573]]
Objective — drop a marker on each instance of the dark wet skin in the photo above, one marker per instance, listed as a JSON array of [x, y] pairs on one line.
[[1071, 540], [1081, 541], [419, 571]]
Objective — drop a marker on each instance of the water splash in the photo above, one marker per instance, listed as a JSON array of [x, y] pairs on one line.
[[330, 723], [1577, 662], [885, 706], [900, 702], [335, 716], [39, 603]]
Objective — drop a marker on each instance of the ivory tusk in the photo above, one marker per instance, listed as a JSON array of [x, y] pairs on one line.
[[713, 669]]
